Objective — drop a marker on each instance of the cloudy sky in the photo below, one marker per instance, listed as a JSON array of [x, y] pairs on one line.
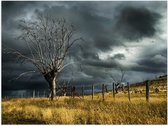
[[127, 35]]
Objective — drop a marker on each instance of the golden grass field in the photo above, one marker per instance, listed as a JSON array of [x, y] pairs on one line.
[[67, 110]]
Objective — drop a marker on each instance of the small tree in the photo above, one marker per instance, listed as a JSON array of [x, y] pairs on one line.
[[48, 40], [118, 80]]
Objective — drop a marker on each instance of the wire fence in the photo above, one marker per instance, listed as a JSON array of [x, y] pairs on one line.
[[83, 90]]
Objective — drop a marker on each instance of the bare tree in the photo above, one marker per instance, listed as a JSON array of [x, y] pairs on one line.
[[48, 40], [118, 80]]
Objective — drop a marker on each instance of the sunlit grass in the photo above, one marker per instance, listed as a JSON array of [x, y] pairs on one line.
[[67, 110]]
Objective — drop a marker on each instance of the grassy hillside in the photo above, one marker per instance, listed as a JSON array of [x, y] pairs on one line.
[[158, 81], [67, 110]]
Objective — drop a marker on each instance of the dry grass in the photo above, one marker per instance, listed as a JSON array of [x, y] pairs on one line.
[[85, 111]]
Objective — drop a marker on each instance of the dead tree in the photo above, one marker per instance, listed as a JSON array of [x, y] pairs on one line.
[[118, 80], [48, 40]]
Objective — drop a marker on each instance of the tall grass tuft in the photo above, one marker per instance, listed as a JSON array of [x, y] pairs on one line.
[[86, 111]]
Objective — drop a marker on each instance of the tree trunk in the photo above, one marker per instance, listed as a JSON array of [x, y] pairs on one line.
[[51, 79], [52, 89]]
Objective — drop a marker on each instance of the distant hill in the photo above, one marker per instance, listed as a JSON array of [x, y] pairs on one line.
[[158, 81]]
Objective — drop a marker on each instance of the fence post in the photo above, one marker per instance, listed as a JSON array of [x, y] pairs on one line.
[[128, 85], [113, 90], [122, 87], [103, 91], [33, 93], [71, 90], [92, 91], [82, 91], [147, 91]]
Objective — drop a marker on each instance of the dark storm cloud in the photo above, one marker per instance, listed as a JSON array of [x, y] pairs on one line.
[[87, 22], [22, 84], [156, 63], [105, 41], [11, 73], [103, 25], [104, 64], [12, 10], [151, 63], [163, 53], [148, 68], [110, 63], [135, 23], [119, 56]]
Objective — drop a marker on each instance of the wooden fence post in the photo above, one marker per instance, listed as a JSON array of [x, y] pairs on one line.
[[103, 91], [113, 90], [33, 93], [82, 91], [147, 91], [92, 91], [128, 85], [122, 87], [71, 90]]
